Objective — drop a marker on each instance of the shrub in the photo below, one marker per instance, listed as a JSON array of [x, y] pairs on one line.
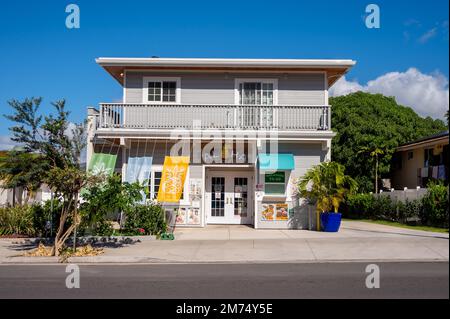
[[385, 208], [409, 210], [45, 216], [358, 206], [435, 210], [16, 220], [381, 207], [101, 201], [102, 227], [150, 218]]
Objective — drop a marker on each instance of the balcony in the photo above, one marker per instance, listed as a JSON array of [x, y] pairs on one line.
[[237, 117]]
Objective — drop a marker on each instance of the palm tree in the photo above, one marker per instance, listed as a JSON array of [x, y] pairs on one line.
[[374, 153], [326, 185]]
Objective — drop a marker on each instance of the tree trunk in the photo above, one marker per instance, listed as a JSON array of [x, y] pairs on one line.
[[59, 234], [376, 175]]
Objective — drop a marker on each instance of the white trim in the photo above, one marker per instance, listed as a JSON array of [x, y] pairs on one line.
[[124, 97], [307, 63], [326, 88], [229, 218], [147, 79], [273, 81]]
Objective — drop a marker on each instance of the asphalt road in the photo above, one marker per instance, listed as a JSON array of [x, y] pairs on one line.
[[265, 281]]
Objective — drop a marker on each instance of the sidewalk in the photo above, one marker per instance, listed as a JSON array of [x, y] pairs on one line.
[[356, 241]]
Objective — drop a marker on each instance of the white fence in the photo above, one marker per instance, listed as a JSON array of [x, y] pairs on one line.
[[404, 195]]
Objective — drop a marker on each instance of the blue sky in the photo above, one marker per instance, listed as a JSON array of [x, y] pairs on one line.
[[41, 57]]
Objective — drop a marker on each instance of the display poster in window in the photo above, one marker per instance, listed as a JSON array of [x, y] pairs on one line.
[[180, 216], [281, 212], [195, 189], [275, 212], [193, 216]]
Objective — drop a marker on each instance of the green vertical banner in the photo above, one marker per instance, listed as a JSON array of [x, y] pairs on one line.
[[102, 164]]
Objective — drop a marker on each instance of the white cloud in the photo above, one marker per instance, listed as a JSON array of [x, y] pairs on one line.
[[427, 35], [6, 143], [427, 94]]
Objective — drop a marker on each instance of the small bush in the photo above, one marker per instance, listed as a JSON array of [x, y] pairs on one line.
[[358, 206], [102, 227], [145, 220], [385, 208], [46, 218], [435, 210], [16, 220]]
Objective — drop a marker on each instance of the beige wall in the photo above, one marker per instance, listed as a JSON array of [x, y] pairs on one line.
[[407, 175]]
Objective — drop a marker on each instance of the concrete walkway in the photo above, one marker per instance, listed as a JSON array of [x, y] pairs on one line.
[[356, 241]]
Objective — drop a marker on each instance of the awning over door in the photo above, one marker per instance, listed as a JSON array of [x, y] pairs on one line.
[[276, 162]]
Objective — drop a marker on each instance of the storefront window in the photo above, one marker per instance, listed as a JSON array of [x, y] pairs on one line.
[[275, 183]]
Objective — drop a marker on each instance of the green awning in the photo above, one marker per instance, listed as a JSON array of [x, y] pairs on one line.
[[276, 162]]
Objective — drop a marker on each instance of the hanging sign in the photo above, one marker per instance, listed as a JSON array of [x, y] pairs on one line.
[[173, 178], [102, 164]]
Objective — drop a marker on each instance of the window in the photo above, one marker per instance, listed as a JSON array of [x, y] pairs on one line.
[[161, 90], [155, 181], [275, 183], [410, 155], [256, 92], [155, 185]]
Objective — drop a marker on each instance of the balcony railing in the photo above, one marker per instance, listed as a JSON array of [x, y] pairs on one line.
[[255, 117]]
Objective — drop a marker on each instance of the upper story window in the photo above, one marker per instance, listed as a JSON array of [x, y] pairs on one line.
[[256, 91], [161, 90]]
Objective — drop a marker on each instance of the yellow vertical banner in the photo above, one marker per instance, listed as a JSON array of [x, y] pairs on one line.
[[173, 177]]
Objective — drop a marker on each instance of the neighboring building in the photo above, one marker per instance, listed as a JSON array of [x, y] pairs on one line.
[[19, 196], [417, 162], [249, 104]]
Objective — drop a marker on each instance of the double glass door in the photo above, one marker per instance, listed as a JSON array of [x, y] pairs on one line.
[[229, 198]]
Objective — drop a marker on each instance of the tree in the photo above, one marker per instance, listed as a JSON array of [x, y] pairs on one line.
[[326, 185], [68, 182], [374, 154], [50, 139], [23, 170], [373, 121], [109, 197]]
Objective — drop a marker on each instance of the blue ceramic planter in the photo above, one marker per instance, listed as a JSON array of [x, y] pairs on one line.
[[330, 222]]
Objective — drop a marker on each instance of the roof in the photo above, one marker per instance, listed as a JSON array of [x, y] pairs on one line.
[[435, 138], [334, 68]]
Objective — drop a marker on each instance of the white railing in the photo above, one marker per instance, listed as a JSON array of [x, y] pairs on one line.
[[171, 116]]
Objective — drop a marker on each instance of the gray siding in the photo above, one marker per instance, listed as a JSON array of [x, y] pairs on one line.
[[218, 88]]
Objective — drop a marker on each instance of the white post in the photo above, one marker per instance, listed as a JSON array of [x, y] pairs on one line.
[[91, 127]]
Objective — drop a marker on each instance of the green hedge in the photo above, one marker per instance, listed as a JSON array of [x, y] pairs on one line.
[[145, 220], [431, 210]]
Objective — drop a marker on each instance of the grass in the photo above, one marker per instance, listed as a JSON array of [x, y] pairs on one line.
[[397, 224]]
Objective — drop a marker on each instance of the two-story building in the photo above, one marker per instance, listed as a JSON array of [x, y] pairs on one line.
[[249, 128]]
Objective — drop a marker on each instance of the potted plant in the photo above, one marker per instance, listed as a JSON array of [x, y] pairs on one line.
[[326, 186]]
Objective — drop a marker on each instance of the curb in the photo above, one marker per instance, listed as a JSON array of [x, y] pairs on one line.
[[134, 260]]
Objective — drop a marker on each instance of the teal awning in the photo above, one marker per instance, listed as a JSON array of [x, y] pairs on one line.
[[276, 162]]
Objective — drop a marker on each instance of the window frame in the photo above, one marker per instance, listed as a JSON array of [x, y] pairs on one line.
[[147, 79], [158, 169], [285, 183], [273, 81]]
